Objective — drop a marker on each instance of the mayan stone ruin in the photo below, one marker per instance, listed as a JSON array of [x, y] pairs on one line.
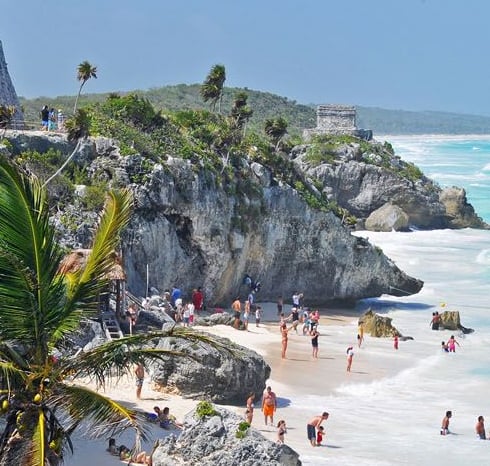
[[337, 120]]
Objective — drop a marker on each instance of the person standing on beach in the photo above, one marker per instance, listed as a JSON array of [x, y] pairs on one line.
[[139, 372], [284, 340], [258, 315], [313, 425], [395, 341], [237, 309], [360, 335], [198, 299], [269, 405], [280, 303], [314, 342], [246, 315], [445, 423], [480, 428], [435, 321], [350, 355], [249, 412]]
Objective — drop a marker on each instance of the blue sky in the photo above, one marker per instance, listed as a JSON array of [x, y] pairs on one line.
[[397, 54]]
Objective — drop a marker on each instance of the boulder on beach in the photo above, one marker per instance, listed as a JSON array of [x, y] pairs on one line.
[[221, 439], [208, 374]]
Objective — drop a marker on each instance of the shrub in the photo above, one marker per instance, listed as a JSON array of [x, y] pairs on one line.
[[204, 409]]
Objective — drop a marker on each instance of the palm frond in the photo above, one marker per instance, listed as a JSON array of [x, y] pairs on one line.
[[115, 216], [30, 291], [100, 415], [39, 440]]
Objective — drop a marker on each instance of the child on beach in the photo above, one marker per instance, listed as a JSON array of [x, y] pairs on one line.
[[350, 355], [258, 315], [395, 341], [281, 430], [319, 436]]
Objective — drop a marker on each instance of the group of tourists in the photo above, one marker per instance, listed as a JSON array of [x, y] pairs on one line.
[[314, 430], [52, 120]]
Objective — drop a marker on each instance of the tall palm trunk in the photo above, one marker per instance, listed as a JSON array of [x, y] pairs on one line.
[[65, 163], [78, 96]]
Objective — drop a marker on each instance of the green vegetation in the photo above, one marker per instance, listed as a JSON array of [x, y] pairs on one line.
[[205, 409], [242, 430]]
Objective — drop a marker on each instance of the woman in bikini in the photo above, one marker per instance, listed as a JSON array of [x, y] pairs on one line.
[[249, 413], [284, 341], [451, 344]]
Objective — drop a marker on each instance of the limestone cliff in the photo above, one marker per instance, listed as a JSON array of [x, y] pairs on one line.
[[193, 227]]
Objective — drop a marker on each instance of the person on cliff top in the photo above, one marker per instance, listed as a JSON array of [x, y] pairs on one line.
[[44, 118]]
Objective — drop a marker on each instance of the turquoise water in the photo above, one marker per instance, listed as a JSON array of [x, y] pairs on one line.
[[462, 161], [396, 420]]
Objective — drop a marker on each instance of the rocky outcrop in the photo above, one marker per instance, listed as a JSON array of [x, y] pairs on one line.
[[8, 96], [192, 227], [378, 326], [212, 441], [362, 181], [208, 374], [388, 217], [450, 320], [461, 213]]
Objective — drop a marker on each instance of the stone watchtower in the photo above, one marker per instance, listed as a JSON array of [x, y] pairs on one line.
[[337, 119], [8, 95]]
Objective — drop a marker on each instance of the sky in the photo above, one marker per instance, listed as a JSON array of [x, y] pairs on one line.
[[395, 54]]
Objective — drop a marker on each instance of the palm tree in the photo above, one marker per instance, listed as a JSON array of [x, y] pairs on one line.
[[78, 129], [276, 129], [85, 71], [212, 88], [39, 308], [240, 111]]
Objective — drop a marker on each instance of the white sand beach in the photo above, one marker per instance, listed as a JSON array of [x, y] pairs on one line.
[[292, 378]]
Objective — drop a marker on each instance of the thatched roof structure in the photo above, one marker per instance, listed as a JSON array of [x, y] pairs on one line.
[[77, 260]]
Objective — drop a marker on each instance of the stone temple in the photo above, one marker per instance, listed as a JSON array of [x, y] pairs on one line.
[[337, 120], [8, 96]]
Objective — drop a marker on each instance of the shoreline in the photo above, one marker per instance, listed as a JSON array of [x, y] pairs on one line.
[[292, 379]]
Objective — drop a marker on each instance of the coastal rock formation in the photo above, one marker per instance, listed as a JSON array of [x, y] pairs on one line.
[[210, 375], [361, 180], [451, 320], [378, 326], [8, 96], [461, 213], [212, 441], [388, 217], [192, 228]]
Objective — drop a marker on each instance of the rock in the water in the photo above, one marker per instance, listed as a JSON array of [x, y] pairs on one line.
[[212, 441], [378, 326], [389, 217], [209, 374], [451, 320]]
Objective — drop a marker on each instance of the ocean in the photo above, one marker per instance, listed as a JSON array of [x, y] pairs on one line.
[[397, 420]]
